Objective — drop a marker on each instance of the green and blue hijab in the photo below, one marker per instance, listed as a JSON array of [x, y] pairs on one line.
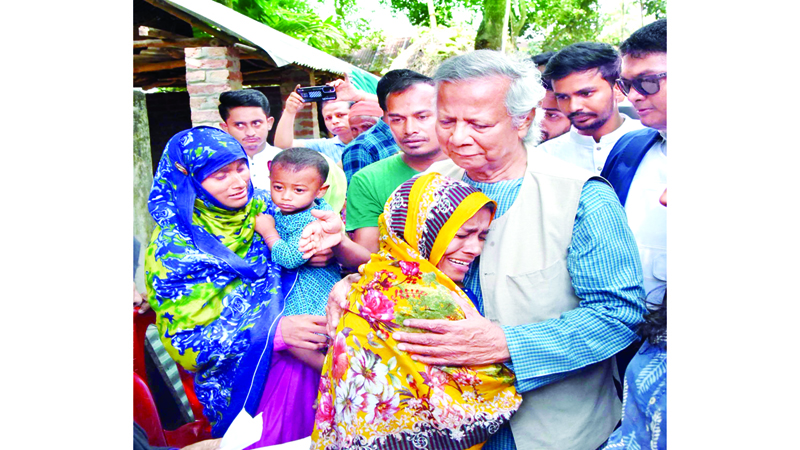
[[216, 294]]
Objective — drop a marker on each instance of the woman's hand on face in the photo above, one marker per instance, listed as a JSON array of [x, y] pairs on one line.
[[321, 234], [304, 331], [473, 340], [337, 302]]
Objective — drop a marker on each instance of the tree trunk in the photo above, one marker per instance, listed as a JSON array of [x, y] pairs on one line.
[[492, 29], [432, 14]]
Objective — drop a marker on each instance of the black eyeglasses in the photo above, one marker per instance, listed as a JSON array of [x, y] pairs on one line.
[[646, 85]]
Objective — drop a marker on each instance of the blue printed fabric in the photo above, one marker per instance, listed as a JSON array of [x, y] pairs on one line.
[[216, 295], [309, 295], [644, 402]]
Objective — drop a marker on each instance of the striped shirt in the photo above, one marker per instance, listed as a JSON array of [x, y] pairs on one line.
[[370, 146], [603, 261]]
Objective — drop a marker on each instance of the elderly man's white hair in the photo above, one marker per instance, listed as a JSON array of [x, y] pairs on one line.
[[524, 93]]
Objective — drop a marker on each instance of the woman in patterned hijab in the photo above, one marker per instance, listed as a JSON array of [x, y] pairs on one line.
[[217, 296], [374, 395]]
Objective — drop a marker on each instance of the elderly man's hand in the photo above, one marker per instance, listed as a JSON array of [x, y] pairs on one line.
[[471, 341]]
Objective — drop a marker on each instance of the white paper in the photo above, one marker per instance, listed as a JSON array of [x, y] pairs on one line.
[[244, 431], [300, 444]]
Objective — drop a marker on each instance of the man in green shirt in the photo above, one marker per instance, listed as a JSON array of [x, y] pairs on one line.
[[411, 114]]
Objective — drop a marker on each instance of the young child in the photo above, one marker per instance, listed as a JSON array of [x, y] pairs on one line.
[[297, 177]]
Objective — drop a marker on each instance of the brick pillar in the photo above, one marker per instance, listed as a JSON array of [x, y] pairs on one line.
[[209, 72], [306, 123]]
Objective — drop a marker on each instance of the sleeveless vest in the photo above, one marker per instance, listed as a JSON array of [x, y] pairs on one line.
[[524, 280]]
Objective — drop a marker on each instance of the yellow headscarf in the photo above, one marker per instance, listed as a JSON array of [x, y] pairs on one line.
[[371, 392]]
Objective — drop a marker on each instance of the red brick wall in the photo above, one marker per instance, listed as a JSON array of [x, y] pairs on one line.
[[209, 72], [306, 125]]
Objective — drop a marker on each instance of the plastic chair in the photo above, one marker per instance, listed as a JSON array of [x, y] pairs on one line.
[[140, 324], [145, 410], [146, 415]]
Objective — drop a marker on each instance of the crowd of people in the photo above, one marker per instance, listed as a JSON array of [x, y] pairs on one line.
[[474, 260]]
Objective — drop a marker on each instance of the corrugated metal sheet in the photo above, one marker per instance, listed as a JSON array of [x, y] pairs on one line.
[[281, 48]]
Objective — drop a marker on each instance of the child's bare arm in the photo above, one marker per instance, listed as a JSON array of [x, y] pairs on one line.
[[312, 358], [265, 226]]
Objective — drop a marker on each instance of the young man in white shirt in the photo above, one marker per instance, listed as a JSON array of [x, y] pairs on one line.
[[637, 166], [583, 78]]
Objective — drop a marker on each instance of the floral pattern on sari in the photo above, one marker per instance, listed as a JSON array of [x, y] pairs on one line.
[[373, 395]]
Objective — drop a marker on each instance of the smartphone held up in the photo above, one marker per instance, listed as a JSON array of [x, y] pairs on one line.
[[317, 93]]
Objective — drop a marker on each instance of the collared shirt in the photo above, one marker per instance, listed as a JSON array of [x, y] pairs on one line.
[[259, 166], [647, 217], [330, 147], [583, 151], [603, 263], [370, 146]]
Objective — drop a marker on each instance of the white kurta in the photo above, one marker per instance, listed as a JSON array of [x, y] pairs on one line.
[[583, 151]]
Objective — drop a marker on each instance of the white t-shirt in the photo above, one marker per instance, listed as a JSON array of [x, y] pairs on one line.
[[583, 151]]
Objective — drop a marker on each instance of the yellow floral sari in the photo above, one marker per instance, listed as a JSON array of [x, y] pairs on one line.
[[373, 395]]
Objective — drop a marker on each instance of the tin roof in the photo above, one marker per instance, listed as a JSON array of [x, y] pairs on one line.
[[281, 48]]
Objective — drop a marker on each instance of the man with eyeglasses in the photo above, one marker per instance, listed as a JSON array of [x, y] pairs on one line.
[[637, 165], [583, 77]]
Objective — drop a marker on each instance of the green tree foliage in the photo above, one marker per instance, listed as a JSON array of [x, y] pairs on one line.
[[557, 22], [552, 23], [657, 8], [298, 20], [417, 10], [567, 22]]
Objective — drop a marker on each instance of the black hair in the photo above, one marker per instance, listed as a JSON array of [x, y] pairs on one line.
[[296, 159], [654, 327], [386, 85], [542, 58], [405, 83], [651, 38], [584, 56], [245, 97]]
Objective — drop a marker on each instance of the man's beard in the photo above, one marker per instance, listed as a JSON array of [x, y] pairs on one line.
[[597, 123]]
